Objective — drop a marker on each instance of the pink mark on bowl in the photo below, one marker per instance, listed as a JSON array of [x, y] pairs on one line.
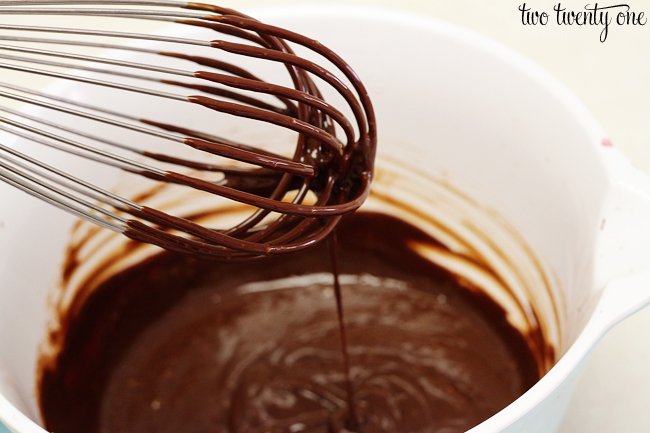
[[606, 142]]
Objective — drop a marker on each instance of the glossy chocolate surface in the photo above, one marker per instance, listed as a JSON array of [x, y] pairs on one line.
[[179, 344]]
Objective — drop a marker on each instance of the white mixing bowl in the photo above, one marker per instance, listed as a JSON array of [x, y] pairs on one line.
[[465, 111]]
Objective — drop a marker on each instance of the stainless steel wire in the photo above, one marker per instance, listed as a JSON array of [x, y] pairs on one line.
[[297, 194]]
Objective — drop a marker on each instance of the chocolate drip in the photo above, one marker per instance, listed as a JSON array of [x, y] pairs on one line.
[[352, 420]]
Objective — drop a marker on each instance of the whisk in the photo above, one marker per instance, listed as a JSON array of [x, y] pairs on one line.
[[298, 198]]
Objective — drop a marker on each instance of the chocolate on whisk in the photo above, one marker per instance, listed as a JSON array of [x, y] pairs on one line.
[[299, 197]]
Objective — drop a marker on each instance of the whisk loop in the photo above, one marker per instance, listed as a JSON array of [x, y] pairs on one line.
[[299, 196]]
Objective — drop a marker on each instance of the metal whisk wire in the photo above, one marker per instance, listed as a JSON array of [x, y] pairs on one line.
[[332, 158]]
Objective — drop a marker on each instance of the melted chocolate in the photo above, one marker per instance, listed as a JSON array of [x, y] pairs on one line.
[[179, 344]]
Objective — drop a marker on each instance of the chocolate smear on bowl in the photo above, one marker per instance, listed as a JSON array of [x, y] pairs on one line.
[[175, 343]]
